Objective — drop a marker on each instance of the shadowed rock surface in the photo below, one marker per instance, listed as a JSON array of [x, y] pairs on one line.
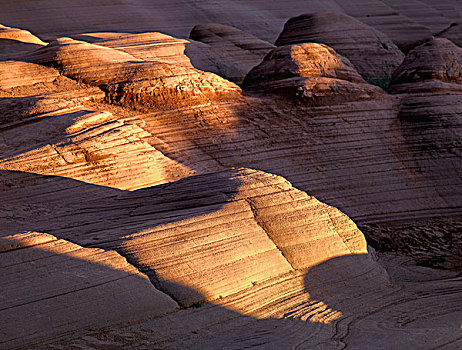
[[51, 286], [260, 251]]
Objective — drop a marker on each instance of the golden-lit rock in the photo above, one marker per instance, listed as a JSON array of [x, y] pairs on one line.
[[130, 81], [17, 73], [101, 133], [96, 148]]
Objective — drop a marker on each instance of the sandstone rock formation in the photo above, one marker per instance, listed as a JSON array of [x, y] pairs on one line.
[[223, 50], [429, 86], [405, 32], [108, 241], [372, 53], [254, 17], [422, 12], [437, 59], [16, 73], [314, 73], [131, 81]]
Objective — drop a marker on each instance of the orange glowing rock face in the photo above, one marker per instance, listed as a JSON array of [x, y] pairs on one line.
[[166, 182]]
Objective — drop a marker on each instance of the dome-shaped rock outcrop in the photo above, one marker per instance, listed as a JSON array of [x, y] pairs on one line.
[[312, 72], [373, 54]]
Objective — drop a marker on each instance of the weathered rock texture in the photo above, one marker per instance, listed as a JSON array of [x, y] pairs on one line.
[[51, 286], [437, 59], [429, 86], [372, 53], [46, 129], [349, 150], [17, 73], [223, 50], [64, 17], [422, 12], [404, 31], [313, 73], [257, 223]]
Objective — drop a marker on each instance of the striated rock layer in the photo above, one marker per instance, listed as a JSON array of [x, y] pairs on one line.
[[453, 33], [339, 141], [269, 257], [51, 286], [14, 42], [428, 84]]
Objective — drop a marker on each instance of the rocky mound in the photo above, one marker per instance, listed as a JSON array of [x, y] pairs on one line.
[[223, 50], [372, 53], [237, 51], [132, 81], [280, 267], [271, 257], [313, 72], [437, 59]]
